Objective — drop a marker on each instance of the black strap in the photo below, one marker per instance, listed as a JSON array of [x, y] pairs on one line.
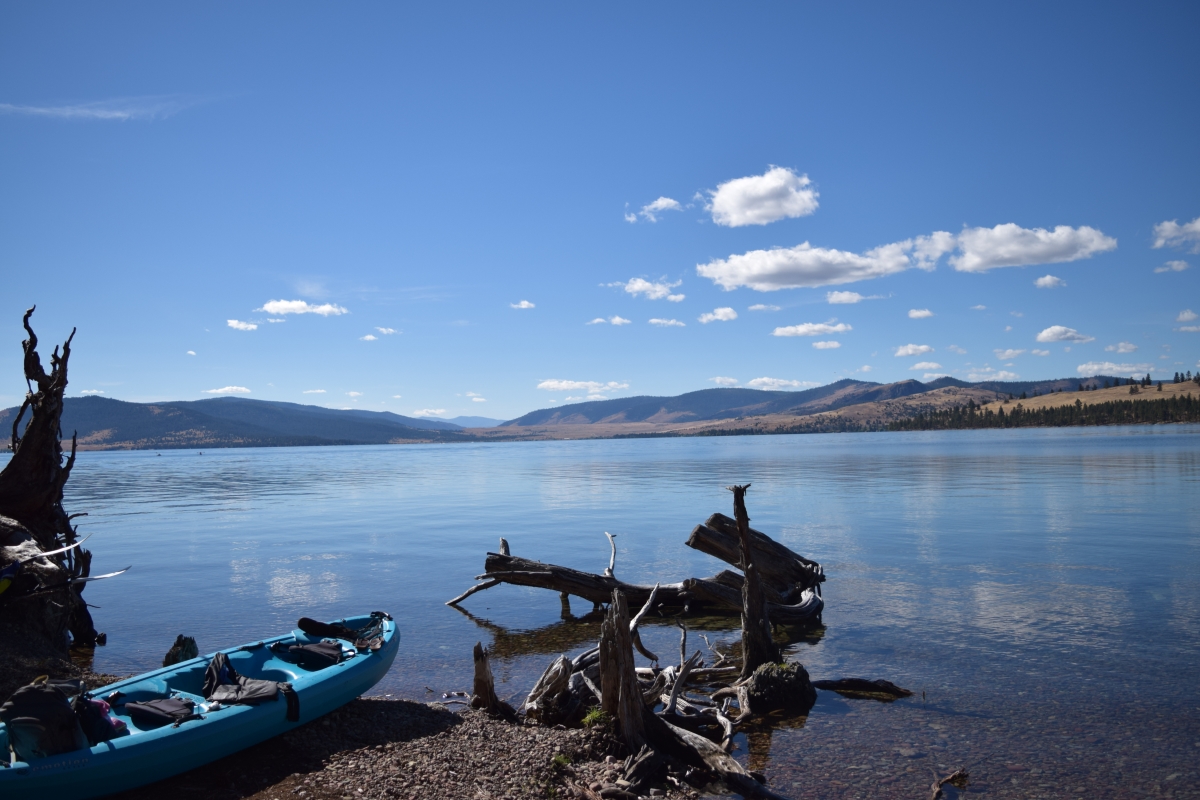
[[293, 701]]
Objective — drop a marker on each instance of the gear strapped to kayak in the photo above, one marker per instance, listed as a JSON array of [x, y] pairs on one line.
[[223, 684]]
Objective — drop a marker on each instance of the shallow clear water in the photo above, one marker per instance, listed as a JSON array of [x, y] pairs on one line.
[[1041, 587]]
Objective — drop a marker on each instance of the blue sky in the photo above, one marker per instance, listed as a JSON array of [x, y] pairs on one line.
[[351, 171]]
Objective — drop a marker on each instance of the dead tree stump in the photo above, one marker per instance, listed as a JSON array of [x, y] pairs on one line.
[[758, 648], [621, 695], [483, 693]]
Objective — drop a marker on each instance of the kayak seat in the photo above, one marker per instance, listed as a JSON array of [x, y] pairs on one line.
[[147, 689]]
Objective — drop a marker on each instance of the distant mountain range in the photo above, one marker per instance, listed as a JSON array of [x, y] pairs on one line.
[[713, 404], [104, 424]]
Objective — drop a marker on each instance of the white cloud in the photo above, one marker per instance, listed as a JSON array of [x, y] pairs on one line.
[[595, 397], [777, 194], [523, 304], [1037, 352], [1172, 266], [387, 331], [1187, 315], [843, 298], [598, 321], [827, 345], [919, 313], [666, 323], [913, 350], [272, 319], [618, 321], [926, 365], [473, 394], [1060, 333], [397, 396], [122, 109], [933, 376], [1121, 347], [354, 394], [989, 374], [1049, 282], [478, 399], [191, 352], [92, 391], [652, 291], [238, 325], [1189, 329], [808, 266], [228, 390], [956, 349], [650, 211], [979, 308], [1010, 245], [556, 385], [370, 337], [718, 315], [1017, 313], [429, 412], [313, 391], [864, 368], [1093, 368], [777, 383], [723, 381], [1006, 355], [301, 307], [1007, 328], [812, 329], [763, 307], [1172, 234]]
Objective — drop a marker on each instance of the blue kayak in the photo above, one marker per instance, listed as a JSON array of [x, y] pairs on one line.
[[152, 754]]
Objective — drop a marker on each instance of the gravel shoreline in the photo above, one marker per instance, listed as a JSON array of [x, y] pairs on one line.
[[382, 748]]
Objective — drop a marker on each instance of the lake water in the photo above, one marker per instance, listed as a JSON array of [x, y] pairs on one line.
[[1040, 588]]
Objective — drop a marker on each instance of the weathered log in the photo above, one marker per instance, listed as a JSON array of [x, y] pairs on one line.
[[779, 566], [546, 700], [757, 646], [622, 695], [483, 693], [589, 586], [697, 751]]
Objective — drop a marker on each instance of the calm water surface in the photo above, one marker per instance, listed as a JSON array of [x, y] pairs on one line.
[[1041, 588]]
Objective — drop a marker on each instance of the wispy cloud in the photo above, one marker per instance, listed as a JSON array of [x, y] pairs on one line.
[[478, 399], [779, 193], [238, 325], [666, 323], [228, 390], [979, 308], [656, 290], [926, 365], [813, 329], [354, 394], [989, 374], [763, 307], [301, 307], [522, 304], [913, 350], [614, 320], [121, 109], [919, 313], [1187, 315], [370, 337], [313, 391], [650, 211], [1007, 355], [1061, 333], [1172, 234], [1049, 282], [777, 383], [1093, 368], [1121, 347], [387, 331], [92, 391], [429, 412], [721, 380], [273, 320], [844, 298], [1037, 352], [557, 385], [956, 349], [826, 345], [1172, 266], [718, 315]]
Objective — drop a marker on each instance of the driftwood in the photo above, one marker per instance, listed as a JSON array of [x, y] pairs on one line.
[[44, 602], [757, 646], [959, 779], [483, 693]]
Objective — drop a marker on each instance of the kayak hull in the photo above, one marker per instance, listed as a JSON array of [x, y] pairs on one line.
[[147, 756]]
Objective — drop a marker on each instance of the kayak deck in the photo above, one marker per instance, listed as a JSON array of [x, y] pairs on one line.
[[149, 754]]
